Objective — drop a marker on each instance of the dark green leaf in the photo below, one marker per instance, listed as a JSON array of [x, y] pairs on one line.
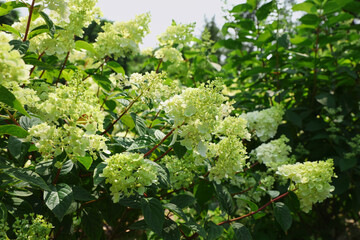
[[140, 125], [225, 199], [81, 194], [213, 231], [283, 215], [3, 211], [203, 192], [66, 167], [9, 99], [59, 199], [17, 147], [175, 209], [183, 200], [97, 172], [292, 201], [170, 230], [49, 23], [153, 214], [5, 8], [102, 81], [19, 45], [92, 224], [28, 176], [139, 225], [41, 65], [264, 11], [163, 175], [310, 19], [179, 150], [26, 122], [13, 130], [241, 232]]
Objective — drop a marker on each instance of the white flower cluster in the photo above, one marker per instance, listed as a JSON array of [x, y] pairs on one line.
[[169, 54], [265, 122], [273, 154], [230, 157], [182, 171], [233, 126], [199, 109], [128, 173], [122, 38], [312, 181]]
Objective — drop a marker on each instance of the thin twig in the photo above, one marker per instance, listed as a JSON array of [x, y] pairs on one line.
[[31, 9], [158, 67], [62, 68], [12, 117], [56, 177], [163, 154], [106, 60]]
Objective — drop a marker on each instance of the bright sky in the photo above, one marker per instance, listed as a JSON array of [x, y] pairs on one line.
[[163, 11]]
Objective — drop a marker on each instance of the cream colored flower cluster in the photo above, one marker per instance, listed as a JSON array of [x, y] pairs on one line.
[[122, 38], [273, 154], [312, 181], [129, 173], [265, 123]]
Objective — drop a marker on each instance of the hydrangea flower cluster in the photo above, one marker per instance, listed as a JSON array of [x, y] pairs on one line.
[[198, 109], [233, 126], [122, 38], [273, 154], [169, 54], [35, 228], [179, 34], [129, 173], [265, 122], [312, 181], [230, 157], [182, 171]]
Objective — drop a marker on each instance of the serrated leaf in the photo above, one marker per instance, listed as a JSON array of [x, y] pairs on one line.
[[159, 134], [9, 99], [85, 161], [213, 231], [128, 121], [179, 150], [17, 147], [27, 176], [92, 224], [264, 11], [241, 232], [153, 214], [175, 209], [13, 130], [80, 44], [305, 6], [49, 23], [5, 8], [102, 81], [19, 45], [140, 125], [97, 172], [283, 215], [81, 194], [170, 230], [59, 199], [116, 67], [3, 211], [163, 175], [27, 123], [39, 64]]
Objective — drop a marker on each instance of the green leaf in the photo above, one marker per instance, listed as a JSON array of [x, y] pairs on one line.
[[40, 64], [179, 150], [183, 200], [305, 6], [140, 125], [310, 19], [49, 23], [102, 81], [175, 209], [80, 44], [283, 215], [27, 123], [19, 45], [128, 121], [264, 11], [5, 8], [203, 192], [97, 172], [163, 175], [9, 99], [225, 199], [37, 31], [213, 231], [17, 147], [91, 222], [85, 161], [116, 67], [59, 199], [13, 130], [7, 28], [3, 211], [292, 201], [241, 232], [81, 194], [153, 214], [28, 176], [170, 230], [326, 99], [331, 7]]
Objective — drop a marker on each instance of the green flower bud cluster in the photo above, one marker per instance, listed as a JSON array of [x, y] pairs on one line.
[[129, 173], [122, 38], [273, 154], [265, 123], [199, 109], [35, 228], [312, 181], [230, 157], [169, 54], [179, 34], [182, 171]]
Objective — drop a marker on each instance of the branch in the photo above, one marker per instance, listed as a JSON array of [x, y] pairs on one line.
[[56, 177], [158, 67], [163, 154], [31, 9], [62, 68], [106, 60], [157, 145]]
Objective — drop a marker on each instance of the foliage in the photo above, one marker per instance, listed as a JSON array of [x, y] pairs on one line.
[[101, 152]]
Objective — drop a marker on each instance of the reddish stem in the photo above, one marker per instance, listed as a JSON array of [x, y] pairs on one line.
[[56, 177], [63, 67], [163, 154], [157, 145], [33, 68], [158, 67], [31, 9]]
